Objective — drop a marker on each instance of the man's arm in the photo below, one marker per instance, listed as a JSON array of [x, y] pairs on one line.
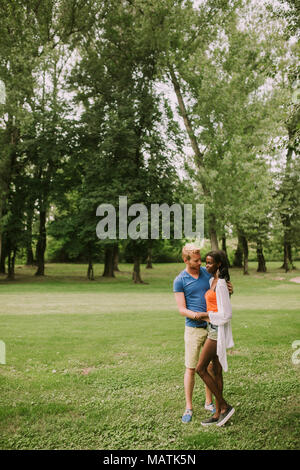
[[185, 312]]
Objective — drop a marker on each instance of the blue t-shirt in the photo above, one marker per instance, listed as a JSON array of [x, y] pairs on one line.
[[194, 291]]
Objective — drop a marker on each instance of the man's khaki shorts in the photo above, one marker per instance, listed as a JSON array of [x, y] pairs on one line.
[[194, 338]]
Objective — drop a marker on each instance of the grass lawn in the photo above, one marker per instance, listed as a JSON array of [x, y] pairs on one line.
[[99, 364]]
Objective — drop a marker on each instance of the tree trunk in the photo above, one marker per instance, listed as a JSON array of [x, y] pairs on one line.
[[149, 257], [213, 239], [224, 248], [260, 258], [2, 263], [287, 248], [11, 265], [285, 264], [1, 236], [287, 255], [245, 253], [213, 233], [186, 120], [116, 257], [292, 127], [8, 161], [29, 256], [238, 255], [2, 258], [198, 155], [136, 275], [41, 245], [90, 271], [109, 262], [29, 251], [290, 256]]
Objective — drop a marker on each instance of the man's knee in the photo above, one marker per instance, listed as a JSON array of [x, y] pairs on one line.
[[190, 372]]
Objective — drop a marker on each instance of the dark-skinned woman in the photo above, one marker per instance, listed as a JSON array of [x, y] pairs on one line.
[[219, 314]]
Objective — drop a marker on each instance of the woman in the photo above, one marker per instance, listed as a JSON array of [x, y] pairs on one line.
[[219, 337]]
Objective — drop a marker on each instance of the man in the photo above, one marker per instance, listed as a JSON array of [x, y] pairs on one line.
[[190, 287]]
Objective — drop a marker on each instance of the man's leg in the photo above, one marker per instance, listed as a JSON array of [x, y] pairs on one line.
[[193, 340], [189, 382]]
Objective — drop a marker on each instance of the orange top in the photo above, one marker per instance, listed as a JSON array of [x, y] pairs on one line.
[[211, 301]]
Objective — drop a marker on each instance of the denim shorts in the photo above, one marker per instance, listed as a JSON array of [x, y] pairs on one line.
[[212, 332]]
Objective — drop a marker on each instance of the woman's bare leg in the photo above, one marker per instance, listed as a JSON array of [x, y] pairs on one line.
[[208, 353], [217, 368], [208, 394]]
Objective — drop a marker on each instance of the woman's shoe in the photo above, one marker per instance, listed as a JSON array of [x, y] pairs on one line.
[[224, 417], [209, 421]]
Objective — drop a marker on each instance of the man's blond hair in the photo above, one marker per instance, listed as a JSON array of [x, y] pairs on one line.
[[190, 249]]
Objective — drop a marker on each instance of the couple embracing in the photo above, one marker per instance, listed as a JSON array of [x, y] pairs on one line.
[[202, 296]]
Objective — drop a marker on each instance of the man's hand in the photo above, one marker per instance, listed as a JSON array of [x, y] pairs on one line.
[[180, 300], [229, 287], [201, 316]]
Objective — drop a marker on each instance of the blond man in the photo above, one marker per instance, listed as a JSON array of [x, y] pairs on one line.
[[190, 287]]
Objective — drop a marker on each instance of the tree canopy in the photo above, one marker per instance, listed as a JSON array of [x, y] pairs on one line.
[[161, 102]]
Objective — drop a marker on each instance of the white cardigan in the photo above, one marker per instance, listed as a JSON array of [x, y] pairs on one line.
[[222, 318]]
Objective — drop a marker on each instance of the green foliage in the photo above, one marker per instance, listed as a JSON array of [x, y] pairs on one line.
[[86, 120]]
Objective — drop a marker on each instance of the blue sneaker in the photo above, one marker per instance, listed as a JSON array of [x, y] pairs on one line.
[[211, 407], [187, 417]]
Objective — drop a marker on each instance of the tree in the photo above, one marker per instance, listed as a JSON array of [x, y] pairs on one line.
[[29, 31], [289, 185], [289, 192], [124, 153], [233, 133]]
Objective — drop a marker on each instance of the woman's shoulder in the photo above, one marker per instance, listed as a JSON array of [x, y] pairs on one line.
[[221, 282], [221, 287]]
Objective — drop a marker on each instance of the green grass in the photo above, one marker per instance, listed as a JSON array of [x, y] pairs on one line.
[[99, 365]]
